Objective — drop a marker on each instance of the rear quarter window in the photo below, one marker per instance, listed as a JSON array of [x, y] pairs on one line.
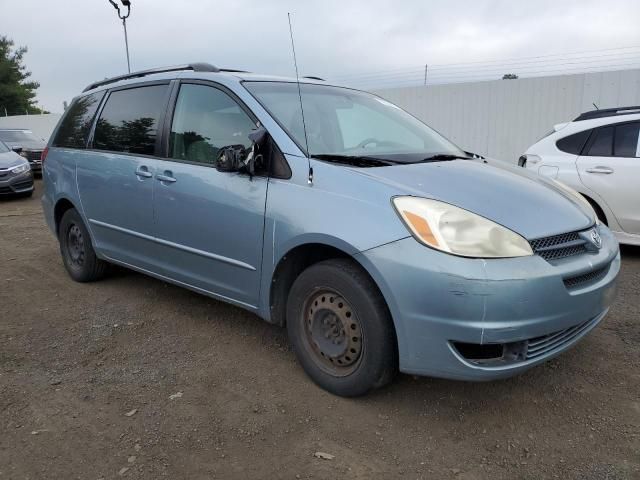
[[573, 144], [75, 126]]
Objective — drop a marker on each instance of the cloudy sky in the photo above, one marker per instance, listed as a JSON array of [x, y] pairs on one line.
[[72, 44]]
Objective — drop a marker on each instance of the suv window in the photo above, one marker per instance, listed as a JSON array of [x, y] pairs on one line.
[[205, 120], [627, 143], [602, 144], [129, 120], [77, 121], [573, 143]]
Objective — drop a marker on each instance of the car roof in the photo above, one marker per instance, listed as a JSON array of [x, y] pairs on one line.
[[607, 112], [581, 125], [195, 70]]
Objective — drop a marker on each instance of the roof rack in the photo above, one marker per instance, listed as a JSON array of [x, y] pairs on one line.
[[196, 67], [607, 112], [315, 78]]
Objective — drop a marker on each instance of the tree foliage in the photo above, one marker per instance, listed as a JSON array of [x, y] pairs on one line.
[[17, 90]]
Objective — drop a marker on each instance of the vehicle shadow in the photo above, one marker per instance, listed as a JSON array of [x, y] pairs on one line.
[[15, 198], [630, 251], [411, 391]]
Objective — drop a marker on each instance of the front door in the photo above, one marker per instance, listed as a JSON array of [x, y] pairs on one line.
[[610, 166], [209, 224], [116, 176]]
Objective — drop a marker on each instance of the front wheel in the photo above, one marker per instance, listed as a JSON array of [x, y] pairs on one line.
[[341, 329], [78, 255]]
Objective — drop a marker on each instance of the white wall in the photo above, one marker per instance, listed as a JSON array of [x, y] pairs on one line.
[[502, 118], [40, 125]]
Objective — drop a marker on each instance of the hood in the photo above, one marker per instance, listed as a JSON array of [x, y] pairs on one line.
[[27, 144], [11, 159], [519, 200]]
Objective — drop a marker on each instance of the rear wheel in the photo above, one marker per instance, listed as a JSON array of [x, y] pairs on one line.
[[78, 255], [341, 329]]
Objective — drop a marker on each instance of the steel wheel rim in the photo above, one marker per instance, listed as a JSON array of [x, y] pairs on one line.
[[332, 332], [75, 246]]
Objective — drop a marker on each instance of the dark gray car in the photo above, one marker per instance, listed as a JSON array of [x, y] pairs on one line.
[[26, 144], [16, 177]]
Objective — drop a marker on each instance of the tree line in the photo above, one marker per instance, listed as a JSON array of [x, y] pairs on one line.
[[17, 89]]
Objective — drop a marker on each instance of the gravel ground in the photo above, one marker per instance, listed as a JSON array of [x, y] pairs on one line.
[[134, 378]]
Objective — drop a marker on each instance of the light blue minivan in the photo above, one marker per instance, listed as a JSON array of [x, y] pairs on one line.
[[377, 242]]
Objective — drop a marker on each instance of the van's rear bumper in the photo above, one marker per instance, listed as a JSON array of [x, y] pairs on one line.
[[440, 302]]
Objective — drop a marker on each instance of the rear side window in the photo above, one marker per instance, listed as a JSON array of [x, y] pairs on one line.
[[602, 145], [627, 143], [76, 124], [573, 143], [129, 120]]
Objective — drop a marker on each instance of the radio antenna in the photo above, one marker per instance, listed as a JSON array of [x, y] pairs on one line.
[[304, 124]]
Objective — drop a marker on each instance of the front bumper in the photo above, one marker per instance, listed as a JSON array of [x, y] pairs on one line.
[[16, 184], [440, 301]]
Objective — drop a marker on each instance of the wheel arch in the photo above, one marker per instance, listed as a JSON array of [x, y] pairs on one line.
[[62, 205], [598, 209], [294, 262]]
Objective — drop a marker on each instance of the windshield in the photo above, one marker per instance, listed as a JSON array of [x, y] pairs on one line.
[[345, 122], [18, 136], [3, 148]]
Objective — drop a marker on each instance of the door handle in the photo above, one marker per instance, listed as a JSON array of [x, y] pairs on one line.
[[166, 177], [600, 169], [143, 172]]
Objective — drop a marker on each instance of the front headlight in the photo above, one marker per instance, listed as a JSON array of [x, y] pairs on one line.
[[21, 168], [457, 231], [578, 197]]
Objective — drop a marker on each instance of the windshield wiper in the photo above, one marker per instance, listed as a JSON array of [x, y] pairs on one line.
[[356, 161], [443, 157]]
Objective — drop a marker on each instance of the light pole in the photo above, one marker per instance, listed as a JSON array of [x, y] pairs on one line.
[[123, 17]]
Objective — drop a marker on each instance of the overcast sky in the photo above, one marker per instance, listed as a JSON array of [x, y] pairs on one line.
[[72, 44]]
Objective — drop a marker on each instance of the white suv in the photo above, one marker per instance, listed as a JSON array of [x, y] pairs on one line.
[[597, 154]]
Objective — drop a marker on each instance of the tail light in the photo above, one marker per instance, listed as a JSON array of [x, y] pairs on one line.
[[43, 155]]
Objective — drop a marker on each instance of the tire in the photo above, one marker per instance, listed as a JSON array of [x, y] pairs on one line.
[[341, 329], [76, 249]]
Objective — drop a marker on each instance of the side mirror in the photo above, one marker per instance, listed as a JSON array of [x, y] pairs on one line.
[[17, 150], [258, 136], [236, 158], [230, 158]]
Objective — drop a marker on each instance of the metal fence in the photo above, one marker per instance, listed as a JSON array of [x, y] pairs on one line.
[[502, 118]]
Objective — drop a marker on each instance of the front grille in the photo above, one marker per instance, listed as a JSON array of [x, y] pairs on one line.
[[21, 185], [540, 346], [586, 278], [559, 246], [5, 190], [34, 155]]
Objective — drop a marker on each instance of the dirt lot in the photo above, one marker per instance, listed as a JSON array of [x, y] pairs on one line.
[[87, 374]]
